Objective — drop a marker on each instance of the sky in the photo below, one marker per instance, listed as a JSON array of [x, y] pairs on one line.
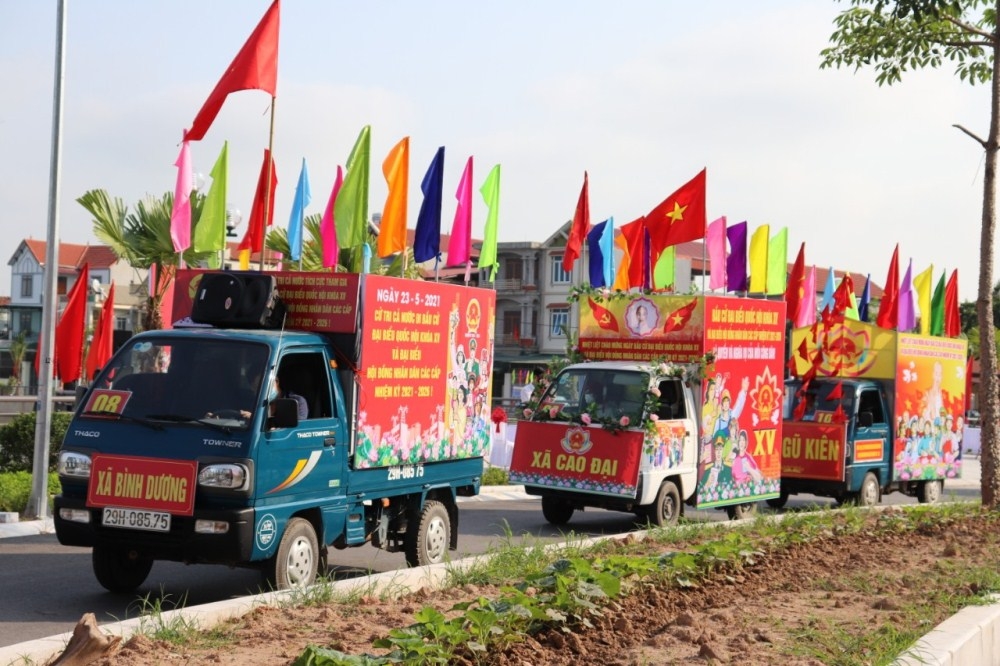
[[642, 95]]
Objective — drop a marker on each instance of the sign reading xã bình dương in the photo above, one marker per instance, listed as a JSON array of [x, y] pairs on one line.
[[143, 483]]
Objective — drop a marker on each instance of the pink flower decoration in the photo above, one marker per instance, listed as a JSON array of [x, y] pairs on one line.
[[527, 413], [624, 421], [655, 391], [585, 418], [654, 417], [553, 412]]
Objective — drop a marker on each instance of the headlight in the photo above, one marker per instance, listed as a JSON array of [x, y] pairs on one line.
[[73, 464], [227, 475]]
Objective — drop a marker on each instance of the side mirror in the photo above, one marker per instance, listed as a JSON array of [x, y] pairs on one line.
[[284, 413]]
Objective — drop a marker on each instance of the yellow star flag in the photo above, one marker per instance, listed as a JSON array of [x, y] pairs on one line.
[[491, 195], [758, 259], [922, 285]]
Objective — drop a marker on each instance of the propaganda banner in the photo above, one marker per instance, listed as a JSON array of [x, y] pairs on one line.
[[643, 328], [848, 349]]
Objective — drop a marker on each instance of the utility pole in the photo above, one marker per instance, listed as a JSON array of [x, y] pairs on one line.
[[38, 501]]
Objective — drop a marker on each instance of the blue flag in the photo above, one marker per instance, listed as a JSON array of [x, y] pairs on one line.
[[600, 246], [427, 236], [302, 198], [866, 296], [828, 292]]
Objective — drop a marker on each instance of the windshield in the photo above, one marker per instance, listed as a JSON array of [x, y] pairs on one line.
[[605, 395], [818, 402], [182, 380]]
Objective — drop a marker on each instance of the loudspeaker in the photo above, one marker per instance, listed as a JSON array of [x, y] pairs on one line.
[[238, 300]]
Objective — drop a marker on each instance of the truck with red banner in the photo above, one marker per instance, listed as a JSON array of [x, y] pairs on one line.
[[872, 411], [676, 400], [286, 414]]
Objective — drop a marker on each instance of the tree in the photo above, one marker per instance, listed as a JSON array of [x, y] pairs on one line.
[[895, 36], [18, 348], [141, 238]]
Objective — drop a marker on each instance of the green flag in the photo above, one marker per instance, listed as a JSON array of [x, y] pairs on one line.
[[210, 232], [350, 212], [663, 271], [937, 308], [491, 195], [777, 263]]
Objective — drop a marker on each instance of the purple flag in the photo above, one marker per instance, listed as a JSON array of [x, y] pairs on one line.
[[460, 244], [327, 226], [427, 237], [907, 311], [180, 216], [736, 263], [715, 238]]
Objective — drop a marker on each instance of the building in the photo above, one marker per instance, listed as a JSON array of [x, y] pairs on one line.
[[24, 312]]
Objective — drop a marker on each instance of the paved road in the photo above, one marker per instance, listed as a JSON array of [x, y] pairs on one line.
[[45, 587]]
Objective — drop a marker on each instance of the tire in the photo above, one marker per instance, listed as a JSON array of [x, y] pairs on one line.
[[556, 511], [870, 493], [778, 502], [297, 562], [667, 508], [929, 492], [741, 511], [119, 569], [429, 536]]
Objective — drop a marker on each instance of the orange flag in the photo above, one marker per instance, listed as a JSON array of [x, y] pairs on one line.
[[580, 228], [392, 229], [255, 67], [635, 237]]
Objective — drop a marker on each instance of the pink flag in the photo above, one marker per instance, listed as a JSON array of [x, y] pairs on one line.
[[460, 243], [715, 238], [807, 307], [327, 226], [180, 216]]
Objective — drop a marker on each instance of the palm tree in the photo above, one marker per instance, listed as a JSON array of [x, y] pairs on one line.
[[18, 348], [141, 238]]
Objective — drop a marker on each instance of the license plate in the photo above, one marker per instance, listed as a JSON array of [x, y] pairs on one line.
[[136, 519]]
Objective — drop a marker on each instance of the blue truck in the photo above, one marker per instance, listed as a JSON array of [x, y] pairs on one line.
[[291, 414], [874, 411]]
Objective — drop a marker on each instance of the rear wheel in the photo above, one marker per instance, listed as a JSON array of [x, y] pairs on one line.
[[556, 511], [667, 507], [427, 537], [297, 561], [779, 501], [929, 492], [741, 511], [118, 568]]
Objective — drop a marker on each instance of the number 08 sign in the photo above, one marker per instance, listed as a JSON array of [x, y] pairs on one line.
[[107, 401]]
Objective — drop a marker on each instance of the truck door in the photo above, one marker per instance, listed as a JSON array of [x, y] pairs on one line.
[[304, 467], [871, 445]]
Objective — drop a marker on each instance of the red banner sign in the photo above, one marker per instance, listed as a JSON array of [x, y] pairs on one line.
[[143, 483], [576, 457], [811, 450]]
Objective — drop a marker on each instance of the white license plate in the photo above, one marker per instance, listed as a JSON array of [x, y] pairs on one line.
[[136, 519]]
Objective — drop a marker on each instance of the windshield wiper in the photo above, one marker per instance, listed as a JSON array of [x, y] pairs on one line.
[[180, 418], [123, 417]]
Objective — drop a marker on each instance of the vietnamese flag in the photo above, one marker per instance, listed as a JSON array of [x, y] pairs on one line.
[[69, 330], [603, 316], [253, 240], [795, 289], [888, 315], [102, 345], [679, 318], [255, 67], [580, 228], [952, 318], [680, 217]]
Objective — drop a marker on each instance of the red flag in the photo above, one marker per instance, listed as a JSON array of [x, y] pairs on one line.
[[679, 318], [795, 290], [253, 240], [680, 217], [837, 392], [952, 319], [635, 235], [102, 345], [255, 67], [603, 316], [581, 227], [803, 350], [838, 415], [888, 315], [69, 330], [842, 297]]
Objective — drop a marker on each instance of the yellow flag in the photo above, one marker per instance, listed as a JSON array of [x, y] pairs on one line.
[[758, 258], [922, 285]]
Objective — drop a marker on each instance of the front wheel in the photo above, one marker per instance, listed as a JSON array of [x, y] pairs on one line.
[[297, 561], [556, 511], [870, 493], [667, 508], [428, 535], [741, 511], [119, 569], [929, 492]]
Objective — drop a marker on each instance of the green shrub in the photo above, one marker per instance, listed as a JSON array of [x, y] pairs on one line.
[[495, 476], [15, 490], [17, 441]]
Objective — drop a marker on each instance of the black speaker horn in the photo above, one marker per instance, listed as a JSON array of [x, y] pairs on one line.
[[238, 300]]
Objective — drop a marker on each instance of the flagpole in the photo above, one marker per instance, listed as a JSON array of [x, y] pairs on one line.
[[267, 187]]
